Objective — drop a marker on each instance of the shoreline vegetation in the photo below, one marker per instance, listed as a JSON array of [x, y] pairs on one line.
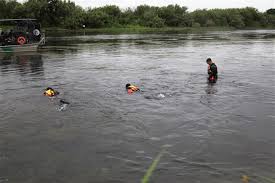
[[144, 30], [63, 15]]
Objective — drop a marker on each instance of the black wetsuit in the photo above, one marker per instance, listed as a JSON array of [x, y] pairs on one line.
[[212, 73]]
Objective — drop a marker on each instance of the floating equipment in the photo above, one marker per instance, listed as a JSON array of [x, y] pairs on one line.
[[21, 40]]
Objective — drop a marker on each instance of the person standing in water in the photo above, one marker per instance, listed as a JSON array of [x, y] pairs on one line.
[[212, 71]]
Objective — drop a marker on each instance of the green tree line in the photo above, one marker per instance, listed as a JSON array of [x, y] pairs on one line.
[[59, 13]]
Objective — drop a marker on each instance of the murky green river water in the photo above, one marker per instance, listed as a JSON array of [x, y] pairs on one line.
[[210, 133]]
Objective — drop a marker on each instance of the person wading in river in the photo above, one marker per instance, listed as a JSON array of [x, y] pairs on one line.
[[212, 71]]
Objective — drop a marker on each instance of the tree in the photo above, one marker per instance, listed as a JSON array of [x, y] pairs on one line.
[[106, 16], [128, 18], [173, 15], [270, 12], [148, 16], [200, 16], [251, 16], [76, 18], [7, 8], [270, 17], [234, 18], [96, 18]]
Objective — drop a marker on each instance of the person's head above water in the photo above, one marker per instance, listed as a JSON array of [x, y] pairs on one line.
[[209, 61], [127, 85], [131, 88], [49, 88]]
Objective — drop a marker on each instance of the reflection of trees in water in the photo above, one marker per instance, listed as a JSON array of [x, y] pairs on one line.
[[36, 64], [208, 99], [6, 59], [23, 63], [112, 48]]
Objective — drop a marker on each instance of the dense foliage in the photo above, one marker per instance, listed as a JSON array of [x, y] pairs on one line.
[[66, 14]]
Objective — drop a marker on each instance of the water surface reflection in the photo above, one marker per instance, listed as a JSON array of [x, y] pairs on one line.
[[211, 133]]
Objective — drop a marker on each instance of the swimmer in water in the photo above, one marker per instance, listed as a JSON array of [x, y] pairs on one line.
[[131, 88], [50, 92]]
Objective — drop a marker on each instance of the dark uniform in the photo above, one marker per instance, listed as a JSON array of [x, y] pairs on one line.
[[212, 73]]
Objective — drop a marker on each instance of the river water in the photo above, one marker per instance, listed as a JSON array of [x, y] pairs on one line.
[[207, 133]]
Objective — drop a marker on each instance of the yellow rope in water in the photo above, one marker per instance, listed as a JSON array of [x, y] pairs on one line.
[[149, 172], [151, 169], [245, 179], [266, 179]]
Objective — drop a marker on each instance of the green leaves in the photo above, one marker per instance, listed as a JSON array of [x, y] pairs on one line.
[[65, 14]]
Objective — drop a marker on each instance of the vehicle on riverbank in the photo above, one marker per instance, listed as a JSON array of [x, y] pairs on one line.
[[20, 35]]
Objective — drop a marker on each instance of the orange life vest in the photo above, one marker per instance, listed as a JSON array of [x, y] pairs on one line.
[[49, 93]]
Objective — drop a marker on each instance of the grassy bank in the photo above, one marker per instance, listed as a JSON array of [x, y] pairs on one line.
[[137, 30], [143, 30], [56, 31]]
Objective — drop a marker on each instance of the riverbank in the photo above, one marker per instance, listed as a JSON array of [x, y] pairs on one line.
[[141, 30]]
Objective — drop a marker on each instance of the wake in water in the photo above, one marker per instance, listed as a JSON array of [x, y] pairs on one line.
[[158, 96], [62, 105]]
